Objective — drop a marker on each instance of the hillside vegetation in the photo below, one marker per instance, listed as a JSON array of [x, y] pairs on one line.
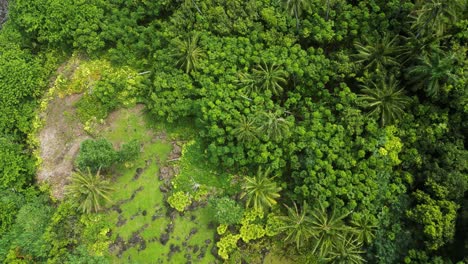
[[240, 131]]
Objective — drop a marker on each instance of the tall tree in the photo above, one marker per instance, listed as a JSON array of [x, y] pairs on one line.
[[260, 190], [384, 99], [89, 191]]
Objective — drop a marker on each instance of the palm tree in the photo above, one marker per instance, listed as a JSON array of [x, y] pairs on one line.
[[247, 82], [246, 129], [416, 46], [435, 16], [347, 250], [377, 55], [384, 99], [272, 125], [261, 190], [89, 191], [433, 72], [188, 53], [327, 228], [270, 77], [297, 225], [296, 7], [364, 229]]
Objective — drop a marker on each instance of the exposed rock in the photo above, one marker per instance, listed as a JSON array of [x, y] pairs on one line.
[[164, 238]]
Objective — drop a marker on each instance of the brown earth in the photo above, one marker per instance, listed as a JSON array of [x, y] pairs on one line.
[[60, 140]]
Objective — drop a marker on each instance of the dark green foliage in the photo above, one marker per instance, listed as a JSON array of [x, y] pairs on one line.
[[16, 168], [385, 100], [226, 211], [95, 155], [24, 239]]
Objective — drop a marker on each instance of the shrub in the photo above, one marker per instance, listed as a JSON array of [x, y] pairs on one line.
[[179, 201], [129, 151], [95, 154], [226, 211]]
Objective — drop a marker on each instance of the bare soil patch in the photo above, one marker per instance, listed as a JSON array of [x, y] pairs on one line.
[[60, 140]]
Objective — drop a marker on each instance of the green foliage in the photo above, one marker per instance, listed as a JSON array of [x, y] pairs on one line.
[[437, 218], [270, 77], [297, 225], [16, 167], [24, 239], [433, 73], [129, 151], [95, 155], [378, 55], [260, 190], [89, 191], [226, 211], [179, 201]]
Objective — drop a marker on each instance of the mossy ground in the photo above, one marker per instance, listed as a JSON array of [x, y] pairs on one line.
[[139, 216]]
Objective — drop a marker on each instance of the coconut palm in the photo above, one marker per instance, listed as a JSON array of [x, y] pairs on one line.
[[346, 250], [297, 225], [364, 229], [270, 77], [433, 72], [246, 129], [247, 82], [89, 191], [328, 228], [378, 55], [385, 100], [416, 46], [260, 190], [188, 53], [296, 7], [435, 16], [272, 125]]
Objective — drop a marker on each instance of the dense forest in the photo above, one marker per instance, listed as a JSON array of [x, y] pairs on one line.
[[342, 123]]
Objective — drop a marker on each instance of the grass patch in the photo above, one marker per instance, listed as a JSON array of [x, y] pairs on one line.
[[142, 214]]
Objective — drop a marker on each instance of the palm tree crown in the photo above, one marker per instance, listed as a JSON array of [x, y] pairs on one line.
[[433, 72], [378, 55], [261, 190], [296, 225], [246, 129], [270, 77], [89, 191], [188, 53], [272, 125], [384, 99]]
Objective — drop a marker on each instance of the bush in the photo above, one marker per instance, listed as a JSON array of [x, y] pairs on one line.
[[95, 155], [129, 151], [226, 211], [179, 201]]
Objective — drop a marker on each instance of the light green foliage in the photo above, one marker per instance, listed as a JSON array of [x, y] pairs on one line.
[[437, 217], [261, 191], [179, 201], [95, 155], [226, 245], [89, 191], [226, 211]]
